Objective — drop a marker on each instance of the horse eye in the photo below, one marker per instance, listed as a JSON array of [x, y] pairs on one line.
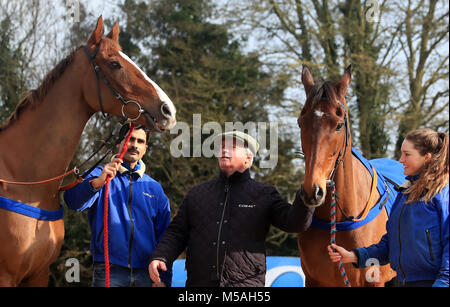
[[115, 65], [339, 126]]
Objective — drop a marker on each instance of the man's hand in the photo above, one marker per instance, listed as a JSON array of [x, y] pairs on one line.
[[110, 169], [153, 270]]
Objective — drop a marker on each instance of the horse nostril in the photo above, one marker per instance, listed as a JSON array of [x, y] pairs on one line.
[[166, 110], [318, 193]]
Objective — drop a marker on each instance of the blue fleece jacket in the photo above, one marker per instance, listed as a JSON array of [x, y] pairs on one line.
[[139, 213], [416, 242]]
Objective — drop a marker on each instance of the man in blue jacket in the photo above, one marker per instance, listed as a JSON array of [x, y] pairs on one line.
[[139, 213]]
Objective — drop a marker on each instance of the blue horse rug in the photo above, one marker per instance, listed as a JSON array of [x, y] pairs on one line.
[[390, 175]]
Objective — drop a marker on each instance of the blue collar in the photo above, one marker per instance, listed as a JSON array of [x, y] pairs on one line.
[[413, 178]]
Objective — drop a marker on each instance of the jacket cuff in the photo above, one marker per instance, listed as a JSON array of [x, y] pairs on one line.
[[299, 204], [362, 255], [160, 258], [78, 196], [91, 187]]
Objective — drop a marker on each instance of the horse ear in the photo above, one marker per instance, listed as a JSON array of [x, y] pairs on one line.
[[307, 79], [97, 35], [114, 34], [343, 84]]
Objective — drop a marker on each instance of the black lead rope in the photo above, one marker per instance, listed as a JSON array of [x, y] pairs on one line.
[[120, 130]]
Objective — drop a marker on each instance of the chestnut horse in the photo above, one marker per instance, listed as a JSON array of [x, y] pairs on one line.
[[326, 143], [39, 140]]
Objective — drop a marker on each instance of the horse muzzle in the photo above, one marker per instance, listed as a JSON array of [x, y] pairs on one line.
[[317, 198], [159, 125]]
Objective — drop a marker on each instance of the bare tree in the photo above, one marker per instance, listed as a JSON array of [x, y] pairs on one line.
[[388, 43], [424, 45], [30, 46], [329, 35]]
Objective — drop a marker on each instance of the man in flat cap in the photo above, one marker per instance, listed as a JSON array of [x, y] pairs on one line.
[[224, 222]]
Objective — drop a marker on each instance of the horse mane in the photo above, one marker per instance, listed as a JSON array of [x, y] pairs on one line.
[[35, 96]]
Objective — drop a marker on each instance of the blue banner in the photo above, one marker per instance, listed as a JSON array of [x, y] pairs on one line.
[[281, 272]]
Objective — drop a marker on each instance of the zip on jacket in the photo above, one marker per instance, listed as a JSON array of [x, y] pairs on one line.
[[227, 190], [130, 199], [400, 242]]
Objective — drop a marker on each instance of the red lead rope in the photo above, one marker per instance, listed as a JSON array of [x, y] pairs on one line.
[[106, 204]]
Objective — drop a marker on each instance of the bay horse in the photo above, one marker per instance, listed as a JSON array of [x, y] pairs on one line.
[[39, 140], [326, 144]]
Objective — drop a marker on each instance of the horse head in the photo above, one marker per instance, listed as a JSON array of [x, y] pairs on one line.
[[325, 133], [115, 84]]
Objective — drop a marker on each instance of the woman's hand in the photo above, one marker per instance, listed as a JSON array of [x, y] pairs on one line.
[[338, 253]]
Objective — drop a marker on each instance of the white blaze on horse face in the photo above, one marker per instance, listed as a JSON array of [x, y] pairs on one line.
[[162, 96], [319, 113]]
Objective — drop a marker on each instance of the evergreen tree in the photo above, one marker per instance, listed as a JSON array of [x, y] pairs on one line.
[[11, 85], [202, 68]]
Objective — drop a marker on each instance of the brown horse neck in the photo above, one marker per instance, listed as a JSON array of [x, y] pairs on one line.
[[353, 185], [41, 142]]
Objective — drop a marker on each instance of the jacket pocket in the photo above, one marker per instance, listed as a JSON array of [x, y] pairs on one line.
[[430, 246]]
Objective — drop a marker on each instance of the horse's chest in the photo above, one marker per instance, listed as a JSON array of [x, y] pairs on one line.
[[31, 242]]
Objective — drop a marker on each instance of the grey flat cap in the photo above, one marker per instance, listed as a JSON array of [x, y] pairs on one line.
[[249, 141]]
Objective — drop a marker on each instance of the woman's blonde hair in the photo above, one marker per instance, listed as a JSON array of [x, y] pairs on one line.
[[434, 175]]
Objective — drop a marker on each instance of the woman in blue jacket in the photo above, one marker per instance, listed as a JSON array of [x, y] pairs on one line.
[[416, 242]]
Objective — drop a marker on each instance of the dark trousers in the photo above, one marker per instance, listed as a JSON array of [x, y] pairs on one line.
[[120, 276], [418, 283]]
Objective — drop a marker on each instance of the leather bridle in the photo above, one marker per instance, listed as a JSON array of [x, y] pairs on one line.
[[99, 73], [345, 143]]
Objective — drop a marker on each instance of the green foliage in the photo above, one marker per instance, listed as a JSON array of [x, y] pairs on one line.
[[364, 53], [11, 85], [201, 67]]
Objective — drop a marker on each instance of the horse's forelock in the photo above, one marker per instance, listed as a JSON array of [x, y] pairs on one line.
[[323, 91], [111, 44]]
